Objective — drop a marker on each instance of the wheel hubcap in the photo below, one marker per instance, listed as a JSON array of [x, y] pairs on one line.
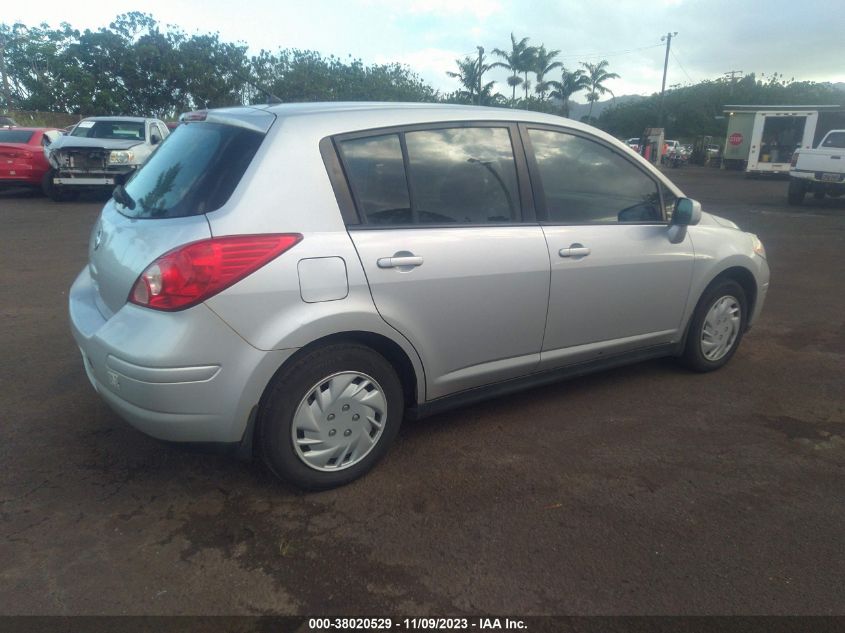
[[721, 328], [339, 421]]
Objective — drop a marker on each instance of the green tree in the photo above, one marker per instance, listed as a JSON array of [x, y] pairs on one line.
[[518, 60], [470, 75], [597, 75], [544, 64], [698, 110], [569, 84]]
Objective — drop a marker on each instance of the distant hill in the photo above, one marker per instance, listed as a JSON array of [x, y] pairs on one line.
[[578, 110]]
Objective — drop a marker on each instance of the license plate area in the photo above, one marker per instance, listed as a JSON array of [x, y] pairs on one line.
[[83, 181], [830, 177]]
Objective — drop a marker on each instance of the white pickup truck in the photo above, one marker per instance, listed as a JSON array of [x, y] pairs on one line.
[[820, 170], [99, 153]]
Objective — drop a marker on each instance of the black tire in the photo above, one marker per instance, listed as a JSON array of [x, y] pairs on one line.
[[818, 195], [796, 192], [293, 384], [56, 193], [693, 356]]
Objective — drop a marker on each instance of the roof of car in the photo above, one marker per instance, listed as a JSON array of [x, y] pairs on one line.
[[342, 115], [430, 110], [134, 119]]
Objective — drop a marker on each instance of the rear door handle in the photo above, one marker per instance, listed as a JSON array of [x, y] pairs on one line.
[[398, 262], [575, 250]]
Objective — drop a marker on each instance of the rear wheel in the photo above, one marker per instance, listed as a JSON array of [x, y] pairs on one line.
[[330, 416], [717, 326], [796, 192], [56, 193], [818, 195]]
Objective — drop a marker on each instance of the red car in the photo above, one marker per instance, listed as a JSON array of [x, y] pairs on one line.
[[22, 161]]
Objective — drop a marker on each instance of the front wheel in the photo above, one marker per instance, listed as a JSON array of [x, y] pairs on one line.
[[56, 193], [330, 416], [717, 326]]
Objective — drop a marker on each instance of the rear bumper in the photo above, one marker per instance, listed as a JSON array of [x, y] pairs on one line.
[[184, 376]]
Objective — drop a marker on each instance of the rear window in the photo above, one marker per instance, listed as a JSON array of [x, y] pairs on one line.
[[15, 136], [192, 172], [112, 130], [835, 140]]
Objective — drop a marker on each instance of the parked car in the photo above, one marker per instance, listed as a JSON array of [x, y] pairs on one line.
[[819, 171], [634, 144], [100, 152], [293, 280], [7, 121], [22, 161]]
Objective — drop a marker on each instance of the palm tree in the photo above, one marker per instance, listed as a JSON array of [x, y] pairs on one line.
[[569, 84], [470, 75], [518, 60], [597, 74], [543, 65]]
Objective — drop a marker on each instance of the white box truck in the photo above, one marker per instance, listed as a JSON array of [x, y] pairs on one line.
[[762, 139]]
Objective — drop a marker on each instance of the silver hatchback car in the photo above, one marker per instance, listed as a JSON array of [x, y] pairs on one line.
[[293, 280]]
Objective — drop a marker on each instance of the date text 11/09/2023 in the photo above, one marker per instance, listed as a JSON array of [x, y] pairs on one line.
[[415, 624]]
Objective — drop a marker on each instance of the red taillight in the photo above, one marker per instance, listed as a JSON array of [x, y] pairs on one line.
[[192, 273], [794, 160]]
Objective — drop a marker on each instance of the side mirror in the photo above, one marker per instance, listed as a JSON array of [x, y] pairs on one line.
[[155, 139], [687, 212]]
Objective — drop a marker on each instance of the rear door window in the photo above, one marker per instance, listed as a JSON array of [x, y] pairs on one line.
[[463, 175], [377, 175], [193, 171], [445, 176]]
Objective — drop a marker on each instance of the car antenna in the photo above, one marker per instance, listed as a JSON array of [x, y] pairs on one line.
[[272, 98]]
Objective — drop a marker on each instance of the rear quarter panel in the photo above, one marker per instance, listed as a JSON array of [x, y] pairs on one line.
[[286, 189]]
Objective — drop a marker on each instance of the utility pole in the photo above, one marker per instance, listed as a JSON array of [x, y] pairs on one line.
[[732, 74], [668, 39], [480, 57]]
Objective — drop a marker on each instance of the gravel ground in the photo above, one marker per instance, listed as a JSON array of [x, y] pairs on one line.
[[644, 490]]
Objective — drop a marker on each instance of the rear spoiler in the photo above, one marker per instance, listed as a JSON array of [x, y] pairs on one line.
[[250, 118]]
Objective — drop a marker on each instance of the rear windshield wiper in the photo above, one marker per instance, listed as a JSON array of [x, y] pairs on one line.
[[120, 195]]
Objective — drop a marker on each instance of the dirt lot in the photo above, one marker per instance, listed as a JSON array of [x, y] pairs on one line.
[[642, 490]]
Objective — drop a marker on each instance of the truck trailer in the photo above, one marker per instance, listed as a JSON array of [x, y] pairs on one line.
[[761, 139]]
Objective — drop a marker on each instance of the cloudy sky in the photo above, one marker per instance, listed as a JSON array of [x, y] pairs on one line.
[[797, 39]]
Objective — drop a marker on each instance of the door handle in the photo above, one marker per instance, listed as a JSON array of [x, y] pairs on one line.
[[575, 250], [399, 262]]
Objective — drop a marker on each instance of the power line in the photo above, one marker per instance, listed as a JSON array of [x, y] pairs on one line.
[[590, 55], [610, 54], [678, 61]]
